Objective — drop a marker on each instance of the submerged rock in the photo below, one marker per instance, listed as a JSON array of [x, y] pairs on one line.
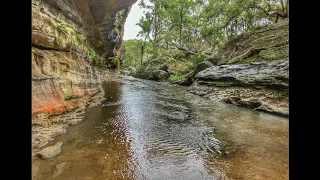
[[50, 152], [59, 168]]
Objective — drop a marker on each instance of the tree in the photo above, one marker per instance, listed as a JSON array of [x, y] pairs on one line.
[[133, 54], [194, 24]]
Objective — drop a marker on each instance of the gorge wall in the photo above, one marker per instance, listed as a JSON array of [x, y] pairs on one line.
[[73, 43], [250, 71]]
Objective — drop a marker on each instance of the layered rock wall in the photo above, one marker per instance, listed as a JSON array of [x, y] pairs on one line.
[[68, 36], [72, 42]]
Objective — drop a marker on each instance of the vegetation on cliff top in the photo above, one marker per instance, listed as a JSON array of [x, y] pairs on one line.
[[187, 32]]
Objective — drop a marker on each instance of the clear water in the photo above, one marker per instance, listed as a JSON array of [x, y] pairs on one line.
[[152, 130]]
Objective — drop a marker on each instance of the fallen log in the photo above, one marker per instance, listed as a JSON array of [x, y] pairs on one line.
[[186, 50]]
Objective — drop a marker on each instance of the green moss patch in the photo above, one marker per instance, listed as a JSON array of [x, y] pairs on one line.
[[275, 53], [176, 78]]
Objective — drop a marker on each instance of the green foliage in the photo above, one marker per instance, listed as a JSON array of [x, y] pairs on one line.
[[66, 28], [119, 16], [196, 25], [133, 52], [116, 61], [94, 59], [116, 30], [80, 37], [212, 21], [66, 32], [71, 35], [179, 55], [196, 59], [176, 78]]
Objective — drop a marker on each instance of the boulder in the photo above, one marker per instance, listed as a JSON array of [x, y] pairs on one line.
[[191, 76], [160, 75], [143, 74], [50, 151], [202, 66], [274, 75]]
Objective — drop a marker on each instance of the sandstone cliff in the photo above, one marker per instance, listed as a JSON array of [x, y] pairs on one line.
[[250, 71], [71, 41]]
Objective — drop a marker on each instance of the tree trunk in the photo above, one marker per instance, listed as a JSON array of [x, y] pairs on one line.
[[142, 52], [143, 47], [287, 8], [282, 6], [155, 32], [180, 25]]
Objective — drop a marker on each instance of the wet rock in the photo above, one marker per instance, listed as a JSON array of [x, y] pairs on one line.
[[50, 152], [160, 75], [59, 169], [125, 72], [251, 103], [143, 74], [271, 75], [202, 66], [264, 99]]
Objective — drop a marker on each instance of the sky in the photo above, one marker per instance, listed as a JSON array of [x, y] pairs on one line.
[[130, 28]]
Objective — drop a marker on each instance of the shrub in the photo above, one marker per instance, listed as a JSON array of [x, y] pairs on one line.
[[80, 37], [176, 78], [66, 28]]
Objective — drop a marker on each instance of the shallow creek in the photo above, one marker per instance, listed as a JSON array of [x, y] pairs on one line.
[[155, 130]]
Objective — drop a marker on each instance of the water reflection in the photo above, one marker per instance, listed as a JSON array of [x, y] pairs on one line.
[[96, 148], [149, 130]]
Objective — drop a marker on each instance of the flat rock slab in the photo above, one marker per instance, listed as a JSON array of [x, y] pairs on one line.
[[50, 152], [273, 74]]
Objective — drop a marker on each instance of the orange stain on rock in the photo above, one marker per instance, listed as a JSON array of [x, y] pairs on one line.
[[61, 107], [50, 110]]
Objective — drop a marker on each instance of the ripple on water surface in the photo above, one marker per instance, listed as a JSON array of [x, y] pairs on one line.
[[150, 130]]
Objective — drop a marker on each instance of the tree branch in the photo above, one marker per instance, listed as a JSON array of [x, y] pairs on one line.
[[186, 50]]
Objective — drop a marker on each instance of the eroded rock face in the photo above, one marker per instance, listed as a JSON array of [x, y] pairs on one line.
[[99, 23], [61, 82], [67, 35]]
